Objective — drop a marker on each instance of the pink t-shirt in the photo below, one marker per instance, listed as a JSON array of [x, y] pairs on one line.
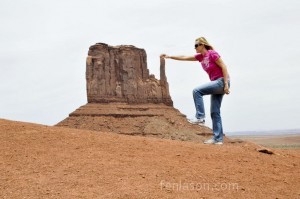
[[208, 62]]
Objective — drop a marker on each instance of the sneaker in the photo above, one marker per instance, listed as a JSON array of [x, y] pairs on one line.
[[200, 122], [219, 143], [210, 141]]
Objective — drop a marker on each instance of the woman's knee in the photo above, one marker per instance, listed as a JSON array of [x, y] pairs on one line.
[[197, 91]]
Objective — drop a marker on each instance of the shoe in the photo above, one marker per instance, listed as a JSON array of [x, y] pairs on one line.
[[219, 143], [210, 141], [200, 122]]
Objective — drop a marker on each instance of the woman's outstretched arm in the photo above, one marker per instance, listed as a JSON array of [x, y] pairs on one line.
[[181, 58]]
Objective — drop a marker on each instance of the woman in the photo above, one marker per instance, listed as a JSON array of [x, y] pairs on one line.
[[219, 85]]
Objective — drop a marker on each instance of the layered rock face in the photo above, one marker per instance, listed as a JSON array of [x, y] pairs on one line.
[[120, 74], [151, 120], [124, 98]]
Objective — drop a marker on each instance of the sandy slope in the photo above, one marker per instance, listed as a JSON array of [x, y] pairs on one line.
[[53, 162]]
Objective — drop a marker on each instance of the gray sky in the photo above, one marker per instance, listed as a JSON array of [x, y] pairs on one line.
[[44, 45]]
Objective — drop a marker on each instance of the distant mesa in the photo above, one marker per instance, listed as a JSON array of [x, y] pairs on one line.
[[124, 98]]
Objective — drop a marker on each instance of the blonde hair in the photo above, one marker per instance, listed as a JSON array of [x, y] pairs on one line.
[[202, 40]]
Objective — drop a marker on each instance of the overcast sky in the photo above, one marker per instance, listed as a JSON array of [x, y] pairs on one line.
[[44, 44]]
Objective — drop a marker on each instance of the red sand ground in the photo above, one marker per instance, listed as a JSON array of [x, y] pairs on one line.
[[39, 161]]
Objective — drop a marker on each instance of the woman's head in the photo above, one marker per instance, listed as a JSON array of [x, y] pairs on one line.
[[204, 42]]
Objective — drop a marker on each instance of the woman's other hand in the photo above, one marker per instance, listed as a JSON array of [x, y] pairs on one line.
[[226, 89]]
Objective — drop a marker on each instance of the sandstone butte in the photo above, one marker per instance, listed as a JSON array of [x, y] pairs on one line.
[[81, 157], [123, 97]]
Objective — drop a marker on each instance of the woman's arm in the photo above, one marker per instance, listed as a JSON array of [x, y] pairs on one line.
[[181, 58], [225, 74]]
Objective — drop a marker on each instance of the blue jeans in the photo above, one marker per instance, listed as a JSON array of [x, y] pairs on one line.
[[216, 90]]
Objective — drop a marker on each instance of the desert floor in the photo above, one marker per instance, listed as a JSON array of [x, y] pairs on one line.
[[38, 161]]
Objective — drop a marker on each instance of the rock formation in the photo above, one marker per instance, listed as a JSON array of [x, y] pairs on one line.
[[120, 74], [124, 98]]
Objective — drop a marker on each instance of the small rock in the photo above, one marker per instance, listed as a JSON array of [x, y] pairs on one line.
[[267, 151]]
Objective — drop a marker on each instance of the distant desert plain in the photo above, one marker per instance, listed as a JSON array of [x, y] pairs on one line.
[[283, 139]]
